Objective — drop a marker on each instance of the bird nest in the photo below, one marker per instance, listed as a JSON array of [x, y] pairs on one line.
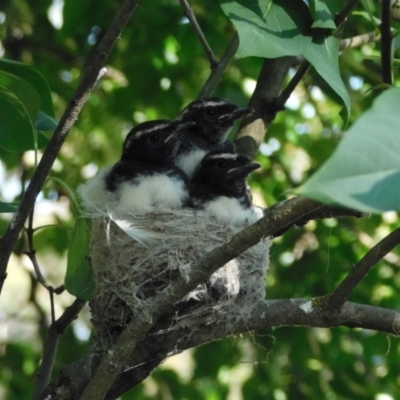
[[134, 257]]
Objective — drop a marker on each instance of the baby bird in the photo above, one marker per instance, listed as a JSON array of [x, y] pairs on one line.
[[146, 176], [214, 118], [219, 187]]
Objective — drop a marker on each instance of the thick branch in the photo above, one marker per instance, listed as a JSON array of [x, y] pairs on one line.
[[357, 41], [265, 315], [361, 269], [88, 82], [263, 102]]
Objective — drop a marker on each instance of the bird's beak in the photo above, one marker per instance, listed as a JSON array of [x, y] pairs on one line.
[[236, 114], [244, 169]]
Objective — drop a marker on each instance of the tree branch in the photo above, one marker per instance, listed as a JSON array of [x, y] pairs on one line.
[[263, 101], [298, 76], [326, 211], [341, 17], [357, 41], [188, 11], [86, 85], [265, 315], [361, 269], [386, 43], [219, 68], [54, 333]]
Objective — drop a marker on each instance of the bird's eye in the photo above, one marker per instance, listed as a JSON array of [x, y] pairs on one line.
[[222, 165], [155, 137], [210, 112]]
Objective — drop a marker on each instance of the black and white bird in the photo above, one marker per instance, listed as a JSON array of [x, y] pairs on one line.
[[214, 118], [219, 187], [146, 176]]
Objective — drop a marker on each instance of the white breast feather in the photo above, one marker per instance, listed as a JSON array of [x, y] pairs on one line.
[[94, 195], [229, 210], [144, 193], [189, 162]]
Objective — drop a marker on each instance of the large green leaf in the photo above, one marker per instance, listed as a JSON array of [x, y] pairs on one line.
[[323, 55], [19, 109], [35, 78], [279, 28], [364, 171], [269, 28], [79, 277]]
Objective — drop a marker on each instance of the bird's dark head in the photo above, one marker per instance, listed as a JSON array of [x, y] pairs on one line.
[[214, 117], [226, 171], [154, 140]]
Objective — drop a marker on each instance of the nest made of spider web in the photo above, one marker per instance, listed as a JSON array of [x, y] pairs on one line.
[[136, 256]]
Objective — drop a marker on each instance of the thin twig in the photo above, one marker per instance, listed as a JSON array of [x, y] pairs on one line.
[[298, 76], [386, 43], [31, 253], [220, 68], [54, 333], [341, 17], [89, 80], [324, 212], [188, 11], [361, 269]]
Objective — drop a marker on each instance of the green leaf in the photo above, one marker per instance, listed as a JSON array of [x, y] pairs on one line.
[[35, 78], [322, 16], [269, 28], [79, 277], [8, 207], [283, 28], [323, 54], [19, 107], [45, 123], [364, 171]]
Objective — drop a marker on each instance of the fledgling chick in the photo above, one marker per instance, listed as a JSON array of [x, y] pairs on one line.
[[146, 176], [219, 187], [214, 118]]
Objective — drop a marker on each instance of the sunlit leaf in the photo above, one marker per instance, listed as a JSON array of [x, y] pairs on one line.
[[323, 55], [79, 277], [271, 29], [364, 171]]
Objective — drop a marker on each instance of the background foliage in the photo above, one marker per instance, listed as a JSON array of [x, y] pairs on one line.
[[156, 68]]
